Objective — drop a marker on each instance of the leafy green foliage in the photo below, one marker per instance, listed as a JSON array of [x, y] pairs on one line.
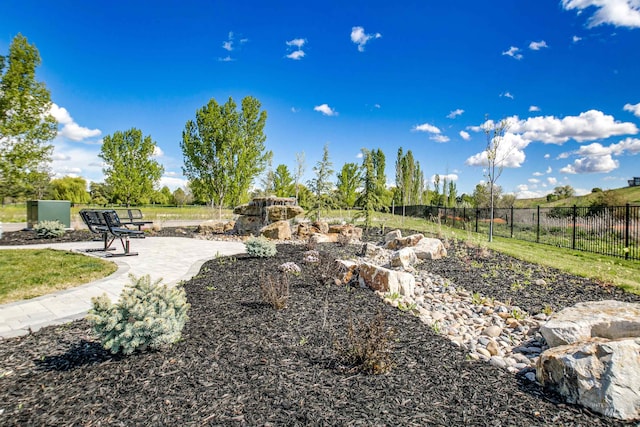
[[260, 247], [224, 150], [147, 315], [283, 183], [349, 180], [370, 198], [26, 123], [130, 168], [320, 186], [49, 229], [70, 188]]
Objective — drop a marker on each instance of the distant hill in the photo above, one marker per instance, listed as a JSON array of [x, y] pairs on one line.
[[630, 194]]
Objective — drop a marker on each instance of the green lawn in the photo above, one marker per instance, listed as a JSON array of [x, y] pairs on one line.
[[28, 273]]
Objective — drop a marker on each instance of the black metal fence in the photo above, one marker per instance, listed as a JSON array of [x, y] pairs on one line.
[[613, 231]]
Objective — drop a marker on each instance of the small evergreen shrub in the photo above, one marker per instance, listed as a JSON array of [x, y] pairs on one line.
[[260, 247], [49, 229], [147, 315]]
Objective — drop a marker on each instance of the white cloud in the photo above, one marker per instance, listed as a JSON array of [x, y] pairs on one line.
[[172, 182], [377, 106], [510, 153], [507, 95], [326, 110], [549, 170], [465, 135], [528, 194], [157, 152], [547, 156], [537, 174], [538, 45], [449, 177], [455, 113], [298, 53], [359, 155], [439, 138], [70, 129], [359, 37], [534, 108], [596, 164], [226, 59], [587, 126], [426, 127], [576, 39], [635, 109], [513, 52], [295, 110], [551, 180], [533, 181], [228, 44], [621, 13]]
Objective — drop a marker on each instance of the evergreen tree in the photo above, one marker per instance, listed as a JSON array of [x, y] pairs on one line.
[[370, 196], [283, 185], [26, 124], [320, 186], [130, 169]]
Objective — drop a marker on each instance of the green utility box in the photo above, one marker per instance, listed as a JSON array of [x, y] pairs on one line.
[[48, 210]]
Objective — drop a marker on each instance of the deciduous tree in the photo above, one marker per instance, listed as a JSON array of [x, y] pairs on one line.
[[348, 181], [26, 124], [70, 188], [130, 168], [224, 150]]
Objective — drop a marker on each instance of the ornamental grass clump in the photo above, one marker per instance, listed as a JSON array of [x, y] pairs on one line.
[[147, 315], [274, 289], [260, 247], [49, 229]]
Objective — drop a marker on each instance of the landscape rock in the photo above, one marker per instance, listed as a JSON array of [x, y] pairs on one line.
[[392, 235], [403, 242], [429, 248], [321, 226], [404, 258], [347, 270], [215, 227], [247, 225], [248, 209], [282, 212], [385, 280], [492, 331], [323, 238], [279, 230], [601, 375], [606, 319], [355, 233], [304, 230]]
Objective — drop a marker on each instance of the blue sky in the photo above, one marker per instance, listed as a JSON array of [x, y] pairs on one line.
[[421, 75]]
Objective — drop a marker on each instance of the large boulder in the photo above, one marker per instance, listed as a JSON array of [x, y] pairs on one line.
[[355, 233], [404, 242], [215, 227], [282, 212], [605, 319], [247, 225], [304, 230], [404, 258], [601, 375], [429, 248], [392, 235], [248, 209], [385, 280], [321, 226], [280, 230], [324, 238]]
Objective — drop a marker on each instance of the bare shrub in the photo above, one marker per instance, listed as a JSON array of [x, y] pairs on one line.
[[367, 346], [344, 239], [274, 289]]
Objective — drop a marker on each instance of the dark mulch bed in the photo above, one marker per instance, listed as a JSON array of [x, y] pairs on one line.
[[241, 362]]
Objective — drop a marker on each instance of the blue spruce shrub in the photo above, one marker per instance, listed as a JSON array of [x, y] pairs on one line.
[[49, 229], [260, 247], [147, 315]]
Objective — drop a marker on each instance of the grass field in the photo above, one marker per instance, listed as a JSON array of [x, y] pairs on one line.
[[29, 273]]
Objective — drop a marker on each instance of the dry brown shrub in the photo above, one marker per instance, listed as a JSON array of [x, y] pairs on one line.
[[274, 289]]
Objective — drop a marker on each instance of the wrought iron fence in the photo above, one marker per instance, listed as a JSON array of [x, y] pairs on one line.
[[613, 231]]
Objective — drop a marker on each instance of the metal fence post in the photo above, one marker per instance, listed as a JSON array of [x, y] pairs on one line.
[[512, 222], [627, 222], [573, 236], [477, 215], [538, 226]]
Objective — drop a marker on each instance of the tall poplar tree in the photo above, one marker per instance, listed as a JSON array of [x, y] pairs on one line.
[[26, 124], [224, 150], [349, 179], [130, 169]]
